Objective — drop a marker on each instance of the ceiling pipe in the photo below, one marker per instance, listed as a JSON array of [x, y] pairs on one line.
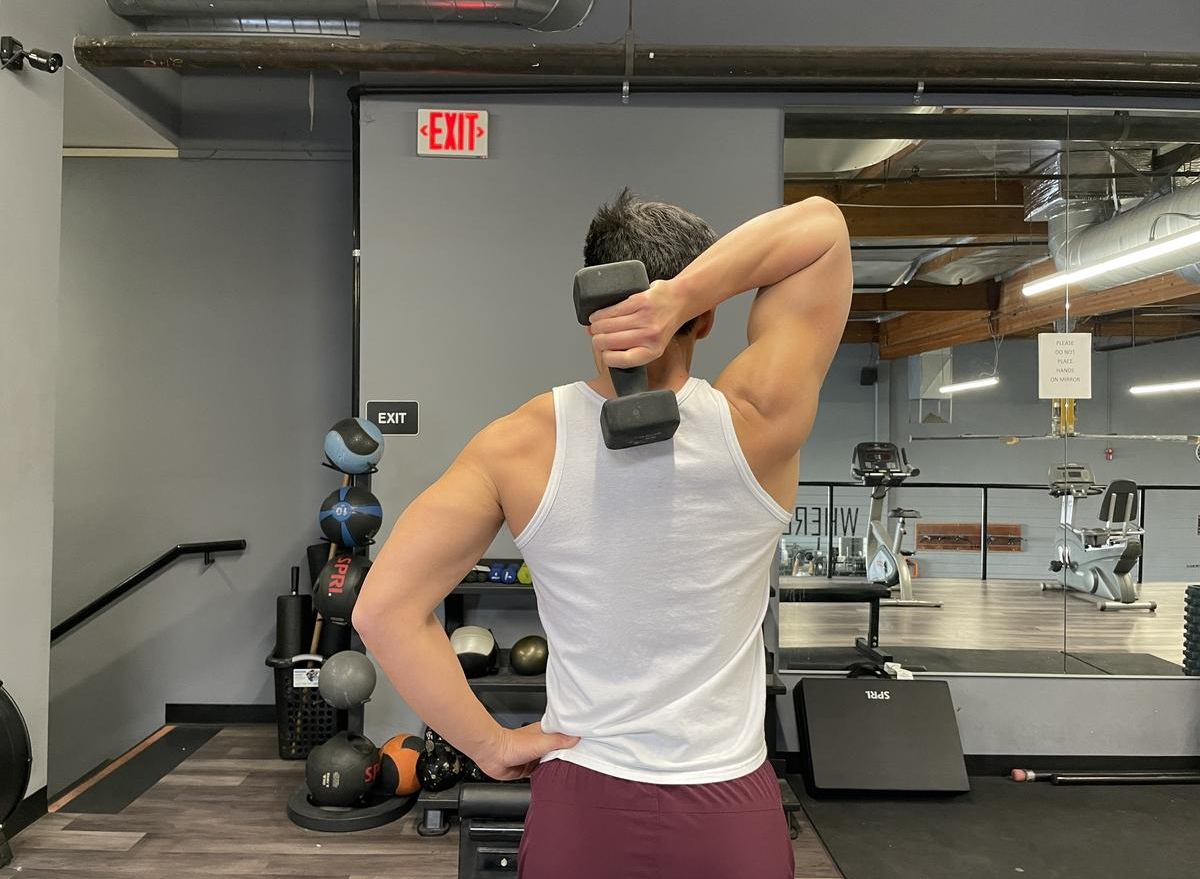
[[1091, 127], [539, 15], [1077, 238], [688, 67]]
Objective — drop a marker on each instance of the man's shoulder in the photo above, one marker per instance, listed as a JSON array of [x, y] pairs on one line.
[[528, 429]]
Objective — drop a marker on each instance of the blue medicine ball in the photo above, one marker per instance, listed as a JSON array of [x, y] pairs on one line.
[[354, 445], [351, 516]]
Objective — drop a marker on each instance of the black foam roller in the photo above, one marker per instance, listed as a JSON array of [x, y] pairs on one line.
[[293, 615]]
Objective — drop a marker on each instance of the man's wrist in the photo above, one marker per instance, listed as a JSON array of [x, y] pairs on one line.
[[487, 745], [685, 303]]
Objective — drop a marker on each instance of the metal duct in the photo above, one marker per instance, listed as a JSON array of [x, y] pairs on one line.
[[1081, 226], [1076, 238], [695, 68], [539, 15]]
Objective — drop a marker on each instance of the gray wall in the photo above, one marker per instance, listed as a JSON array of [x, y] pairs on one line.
[[1051, 24], [467, 266], [30, 178], [205, 331]]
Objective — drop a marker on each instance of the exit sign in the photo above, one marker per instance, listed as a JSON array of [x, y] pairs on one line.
[[462, 133], [394, 417]]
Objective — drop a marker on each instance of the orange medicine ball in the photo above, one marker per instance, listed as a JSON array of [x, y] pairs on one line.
[[398, 758]]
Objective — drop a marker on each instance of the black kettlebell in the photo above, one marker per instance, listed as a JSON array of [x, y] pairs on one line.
[[439, 768], [471, 772], [341, 771]]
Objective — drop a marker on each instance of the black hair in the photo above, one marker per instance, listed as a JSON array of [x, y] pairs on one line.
[[664, 237]]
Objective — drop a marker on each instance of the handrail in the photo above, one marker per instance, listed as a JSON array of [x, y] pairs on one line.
[[75, 620]]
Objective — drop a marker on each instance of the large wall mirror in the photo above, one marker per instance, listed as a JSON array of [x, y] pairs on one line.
[[1021, 525]]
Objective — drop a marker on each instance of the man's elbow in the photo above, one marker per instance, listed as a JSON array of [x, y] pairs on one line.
[[371, 610], [364, 619], [377, 616]]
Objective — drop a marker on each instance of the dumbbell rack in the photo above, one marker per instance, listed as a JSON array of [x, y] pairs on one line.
[[436, 807]]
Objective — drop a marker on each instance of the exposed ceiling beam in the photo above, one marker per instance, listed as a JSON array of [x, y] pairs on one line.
[[1172, 159], [939, 222], [1143, 325], [1090, 127], [926, 208], [859, 332], [927, 192], [914, 333], [927, 297]]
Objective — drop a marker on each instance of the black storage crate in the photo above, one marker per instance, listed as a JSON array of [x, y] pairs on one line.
[[304, 719]]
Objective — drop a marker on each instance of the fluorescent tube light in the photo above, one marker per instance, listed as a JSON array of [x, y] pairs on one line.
[[1167, 387], [1152, 250], [988, 382]]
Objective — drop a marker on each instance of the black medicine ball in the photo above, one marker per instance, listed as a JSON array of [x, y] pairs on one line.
[[338, 586], [528, 656], [354, 445], [476, 649], [351, 516], [341, 771]]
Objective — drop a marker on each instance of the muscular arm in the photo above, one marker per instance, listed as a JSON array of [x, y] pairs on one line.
[[799, 259], [437, 539], [434, 543]]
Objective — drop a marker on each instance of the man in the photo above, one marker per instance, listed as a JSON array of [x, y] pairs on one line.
[[650, 563]]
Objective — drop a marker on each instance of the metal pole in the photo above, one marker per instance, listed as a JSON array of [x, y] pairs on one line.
[[983, 535], [356, 253], [829, 523], [1142, 525]]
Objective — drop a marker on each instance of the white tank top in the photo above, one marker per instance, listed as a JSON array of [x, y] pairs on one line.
[[651, 568]]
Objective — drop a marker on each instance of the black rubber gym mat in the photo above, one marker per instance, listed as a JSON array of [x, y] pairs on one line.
[[1004, 829], [128, 782], [1129, 663], [950, 659]]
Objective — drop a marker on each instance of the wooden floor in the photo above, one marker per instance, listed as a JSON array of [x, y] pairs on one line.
[[996, 615], [220, 815]]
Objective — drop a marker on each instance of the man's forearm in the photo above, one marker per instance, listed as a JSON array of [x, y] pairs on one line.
[[420, 663], [761, 252]]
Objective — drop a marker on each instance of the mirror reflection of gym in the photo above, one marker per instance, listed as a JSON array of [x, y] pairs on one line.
[[1005, 508]]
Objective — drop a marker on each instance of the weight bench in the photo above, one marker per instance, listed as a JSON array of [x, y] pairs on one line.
[[837, 593], [492, 820]]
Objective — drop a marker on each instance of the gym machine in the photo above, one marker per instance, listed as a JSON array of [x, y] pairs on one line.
[[1096, 564], [881, 467]]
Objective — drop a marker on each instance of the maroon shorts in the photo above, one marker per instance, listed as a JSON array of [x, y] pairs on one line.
[[583, 824]]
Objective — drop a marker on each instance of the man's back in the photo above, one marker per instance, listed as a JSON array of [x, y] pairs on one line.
[[519, 450], [650, 566]]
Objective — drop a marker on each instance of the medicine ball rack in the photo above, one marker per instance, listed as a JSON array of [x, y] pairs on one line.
[[436, 807]]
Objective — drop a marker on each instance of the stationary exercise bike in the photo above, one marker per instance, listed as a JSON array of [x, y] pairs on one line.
[[880, 467], [1097, 564]]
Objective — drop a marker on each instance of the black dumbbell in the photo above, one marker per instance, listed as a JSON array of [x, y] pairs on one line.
[[638, 416]]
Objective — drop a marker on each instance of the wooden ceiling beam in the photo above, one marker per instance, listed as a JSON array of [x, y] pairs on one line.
[[913, 333], [927, 192], [860, 332], [928, 297]]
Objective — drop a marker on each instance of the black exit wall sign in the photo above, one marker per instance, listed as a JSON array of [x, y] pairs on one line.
[[394, 417]]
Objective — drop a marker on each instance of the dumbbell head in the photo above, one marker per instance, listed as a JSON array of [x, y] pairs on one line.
[[638, 416], [598, 287], [639, 419]]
